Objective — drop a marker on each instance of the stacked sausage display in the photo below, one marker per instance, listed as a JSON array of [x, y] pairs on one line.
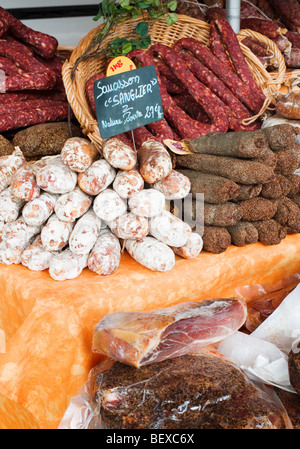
[[31, 87], [278, 20], [77, 210], [250, 183]]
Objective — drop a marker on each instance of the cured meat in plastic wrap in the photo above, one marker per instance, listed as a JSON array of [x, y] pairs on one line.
[[194, 391], [140, 338]]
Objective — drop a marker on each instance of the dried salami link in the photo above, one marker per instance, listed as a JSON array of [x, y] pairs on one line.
[[141, 135], [29, 117], [18, 106], [20, 54], [217, 47], [165, 71], [238, 60], [294, 38], [9, 67], [188, 104], [30, 81], [89, 89], [172, 88], [43, 43], [235, 84], [183, 124], [234, 109], [212, 105], [161, 130], [262, 26], [288, 11], [12, 97], [3, 26]]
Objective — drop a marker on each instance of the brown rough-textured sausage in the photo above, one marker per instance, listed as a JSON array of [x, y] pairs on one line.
[[243, 233], [257, 209], [215, 239], [42, 43]]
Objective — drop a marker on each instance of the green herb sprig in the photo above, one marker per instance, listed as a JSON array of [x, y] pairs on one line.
[[114, 12]]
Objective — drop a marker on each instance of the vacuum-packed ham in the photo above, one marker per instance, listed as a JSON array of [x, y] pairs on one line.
[[140, 338]]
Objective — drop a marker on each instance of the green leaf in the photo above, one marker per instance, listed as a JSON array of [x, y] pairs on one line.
[[171, 19], [143, 5], [146, 42], [126, 48], [142, 29], [99, 14], [172, 5], [124, 3]]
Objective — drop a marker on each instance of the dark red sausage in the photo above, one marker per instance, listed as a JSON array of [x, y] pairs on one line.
[[42, 43], [232, 81], [188, 104], [161, 130], [9, 67], [27, 117], [212, 105], [141, 135], [89, 89], [3, 26], [13, 108], [9, 97], [178, 119], [217, 47], [239, 62], [294, 38], [262, 26]]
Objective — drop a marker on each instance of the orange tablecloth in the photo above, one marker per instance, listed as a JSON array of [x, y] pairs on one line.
[[49, 325]]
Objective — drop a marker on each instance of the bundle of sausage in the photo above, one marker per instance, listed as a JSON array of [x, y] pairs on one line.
[[76, 210], [278, 20], [31, 90], [203, 89], [251, 185]]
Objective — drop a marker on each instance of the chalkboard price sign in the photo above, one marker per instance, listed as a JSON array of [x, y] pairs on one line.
[[127, 101]]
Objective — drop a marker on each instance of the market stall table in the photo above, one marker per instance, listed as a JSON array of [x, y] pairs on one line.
[[49, 325]]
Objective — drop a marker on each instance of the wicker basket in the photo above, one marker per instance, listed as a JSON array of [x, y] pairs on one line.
[[165, 34]]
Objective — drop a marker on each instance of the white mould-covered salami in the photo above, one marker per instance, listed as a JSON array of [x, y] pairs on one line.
[[72, 205], [2, 224], [10, 206], [118, 154], [66, 265], [154, 160], [55, 233], [9, 256], [108, 205], [104, 259], [129, 226], [169, 229], [18, 234], [56, 177], [192, 248], [8, 166], [126, 183], [175, 186], [78, 154], [35, 256], [97, 177], [85, 233], [147, 203], [152, 254], [37, 211], [24, 185]]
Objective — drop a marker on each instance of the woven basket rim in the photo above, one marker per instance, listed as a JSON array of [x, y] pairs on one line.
[[75, 90]]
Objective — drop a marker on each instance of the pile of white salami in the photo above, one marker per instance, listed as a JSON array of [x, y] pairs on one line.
[[76, 210]]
